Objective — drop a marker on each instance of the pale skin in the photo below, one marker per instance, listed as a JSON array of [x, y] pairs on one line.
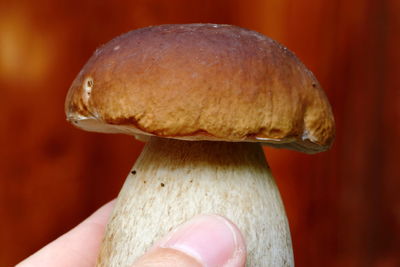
[[206, 240]]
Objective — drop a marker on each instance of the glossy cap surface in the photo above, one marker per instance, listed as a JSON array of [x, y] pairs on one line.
[[202, 82]]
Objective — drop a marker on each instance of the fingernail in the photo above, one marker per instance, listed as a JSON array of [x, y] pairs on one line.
[[210, 239]]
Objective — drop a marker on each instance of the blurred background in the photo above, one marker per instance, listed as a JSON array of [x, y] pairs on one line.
[[343, 205]]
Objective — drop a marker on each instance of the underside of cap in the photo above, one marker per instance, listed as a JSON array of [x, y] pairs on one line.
[[202, 82]]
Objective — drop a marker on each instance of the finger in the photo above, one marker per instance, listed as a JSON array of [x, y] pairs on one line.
[[78, 247], [207, 240]]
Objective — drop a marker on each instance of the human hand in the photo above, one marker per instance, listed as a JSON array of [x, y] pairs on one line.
[[206, 240]]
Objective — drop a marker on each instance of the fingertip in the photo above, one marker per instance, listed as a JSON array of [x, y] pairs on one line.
[[102, 215], [161, 257], [208, 240]]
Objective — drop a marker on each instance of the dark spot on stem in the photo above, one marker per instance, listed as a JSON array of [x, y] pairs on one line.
[[314, 85], [162, 184], [133, 172]]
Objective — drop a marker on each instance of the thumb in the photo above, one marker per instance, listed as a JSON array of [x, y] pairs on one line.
[[206, 240]]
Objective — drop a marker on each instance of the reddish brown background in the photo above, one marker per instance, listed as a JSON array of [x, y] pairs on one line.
[[343, 205]]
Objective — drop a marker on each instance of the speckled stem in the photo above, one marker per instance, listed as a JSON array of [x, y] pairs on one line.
[[172, 181]]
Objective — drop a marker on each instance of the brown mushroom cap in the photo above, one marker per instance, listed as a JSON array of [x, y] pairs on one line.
[[202, 82]]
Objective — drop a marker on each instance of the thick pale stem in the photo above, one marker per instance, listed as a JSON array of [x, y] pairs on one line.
[[172, 181]]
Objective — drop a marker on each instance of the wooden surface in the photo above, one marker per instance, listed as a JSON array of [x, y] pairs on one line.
[[343, 205]]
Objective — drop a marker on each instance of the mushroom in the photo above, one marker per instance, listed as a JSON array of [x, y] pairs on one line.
[[205, 96]]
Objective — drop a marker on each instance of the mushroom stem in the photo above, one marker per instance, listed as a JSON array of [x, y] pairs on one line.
[[174, 180]]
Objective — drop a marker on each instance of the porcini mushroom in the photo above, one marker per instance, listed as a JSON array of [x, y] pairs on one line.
[[206, 96]]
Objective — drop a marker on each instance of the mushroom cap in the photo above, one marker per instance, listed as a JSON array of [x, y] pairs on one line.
[[202, 82]]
